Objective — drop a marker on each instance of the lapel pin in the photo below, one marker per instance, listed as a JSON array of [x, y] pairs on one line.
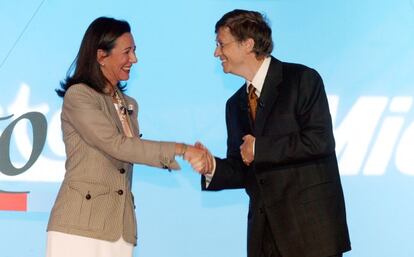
[[130, 109]]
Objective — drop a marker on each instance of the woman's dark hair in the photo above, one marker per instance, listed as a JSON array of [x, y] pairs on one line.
[[101, 34], [245, 24]]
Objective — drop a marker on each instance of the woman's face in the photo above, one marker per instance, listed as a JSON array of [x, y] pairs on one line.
[[117, 63]]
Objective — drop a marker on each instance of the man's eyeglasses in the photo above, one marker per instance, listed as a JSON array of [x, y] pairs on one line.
[[221, 45]]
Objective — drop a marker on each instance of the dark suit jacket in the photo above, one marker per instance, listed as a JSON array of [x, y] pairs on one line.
[[294, 180]]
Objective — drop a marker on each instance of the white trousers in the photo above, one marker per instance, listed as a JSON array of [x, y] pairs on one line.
[[67, 245]]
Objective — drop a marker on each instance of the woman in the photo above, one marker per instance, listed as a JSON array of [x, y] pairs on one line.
[[94, 211]]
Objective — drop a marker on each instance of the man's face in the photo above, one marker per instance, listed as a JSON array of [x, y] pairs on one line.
[[230, 51]]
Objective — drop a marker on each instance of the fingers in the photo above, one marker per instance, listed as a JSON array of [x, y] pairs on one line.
[[248, 137], [192, 153], [208, 156], [196, 157], [209, 162], [199, 145], [246, 149], [200, 158], [198, 165]]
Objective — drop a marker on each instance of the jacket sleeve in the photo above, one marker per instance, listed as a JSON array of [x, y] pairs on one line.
[[83, 110], [312, 137], [230, 172]]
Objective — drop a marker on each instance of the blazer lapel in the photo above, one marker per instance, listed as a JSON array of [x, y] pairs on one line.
[[114, 115], [112, 111], [244, 116], [268, 95]]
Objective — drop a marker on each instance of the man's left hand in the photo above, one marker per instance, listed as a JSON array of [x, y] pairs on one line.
[[246, 149]]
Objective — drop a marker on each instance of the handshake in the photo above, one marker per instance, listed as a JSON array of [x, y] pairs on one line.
[[203, 162], [200, 158]]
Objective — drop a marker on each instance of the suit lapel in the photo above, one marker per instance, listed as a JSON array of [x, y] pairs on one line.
[[114, 115], [244, 116], [112, 111], [268, 95]]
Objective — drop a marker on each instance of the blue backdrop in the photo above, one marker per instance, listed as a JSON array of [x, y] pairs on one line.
[[363, 50]]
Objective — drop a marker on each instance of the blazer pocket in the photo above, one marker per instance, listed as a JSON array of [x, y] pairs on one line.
[[318, 191], [320, 212], [87, 205]]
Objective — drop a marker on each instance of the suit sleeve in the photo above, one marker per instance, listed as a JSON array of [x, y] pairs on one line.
[[230, 172], [82, 110], [313, 137]]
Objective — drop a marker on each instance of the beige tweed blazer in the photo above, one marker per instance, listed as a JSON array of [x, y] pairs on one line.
[[95, 198]]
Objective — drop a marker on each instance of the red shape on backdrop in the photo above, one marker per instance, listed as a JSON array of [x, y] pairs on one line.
[[13, 201]]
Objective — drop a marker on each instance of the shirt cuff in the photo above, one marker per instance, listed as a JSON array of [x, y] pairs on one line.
[[209, 176]]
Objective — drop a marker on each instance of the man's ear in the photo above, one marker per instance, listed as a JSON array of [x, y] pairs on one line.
[[100, 56], [249, 43]]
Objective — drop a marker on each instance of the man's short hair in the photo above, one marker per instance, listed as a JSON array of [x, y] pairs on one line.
[[244, 24]]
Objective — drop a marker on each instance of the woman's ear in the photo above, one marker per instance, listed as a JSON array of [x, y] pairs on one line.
[[100, 56]]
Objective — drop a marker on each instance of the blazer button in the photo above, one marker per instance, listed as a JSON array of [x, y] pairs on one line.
[[262, 181], [120, 192], [261, 210], [122, 170], [88, 197]]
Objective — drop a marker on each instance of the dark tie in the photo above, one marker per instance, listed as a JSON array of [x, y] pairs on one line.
[[252, 102]]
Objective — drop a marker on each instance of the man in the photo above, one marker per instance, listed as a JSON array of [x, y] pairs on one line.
[[281, 147]]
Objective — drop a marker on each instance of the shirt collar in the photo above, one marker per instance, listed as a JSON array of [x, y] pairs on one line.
[[259, 78]]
